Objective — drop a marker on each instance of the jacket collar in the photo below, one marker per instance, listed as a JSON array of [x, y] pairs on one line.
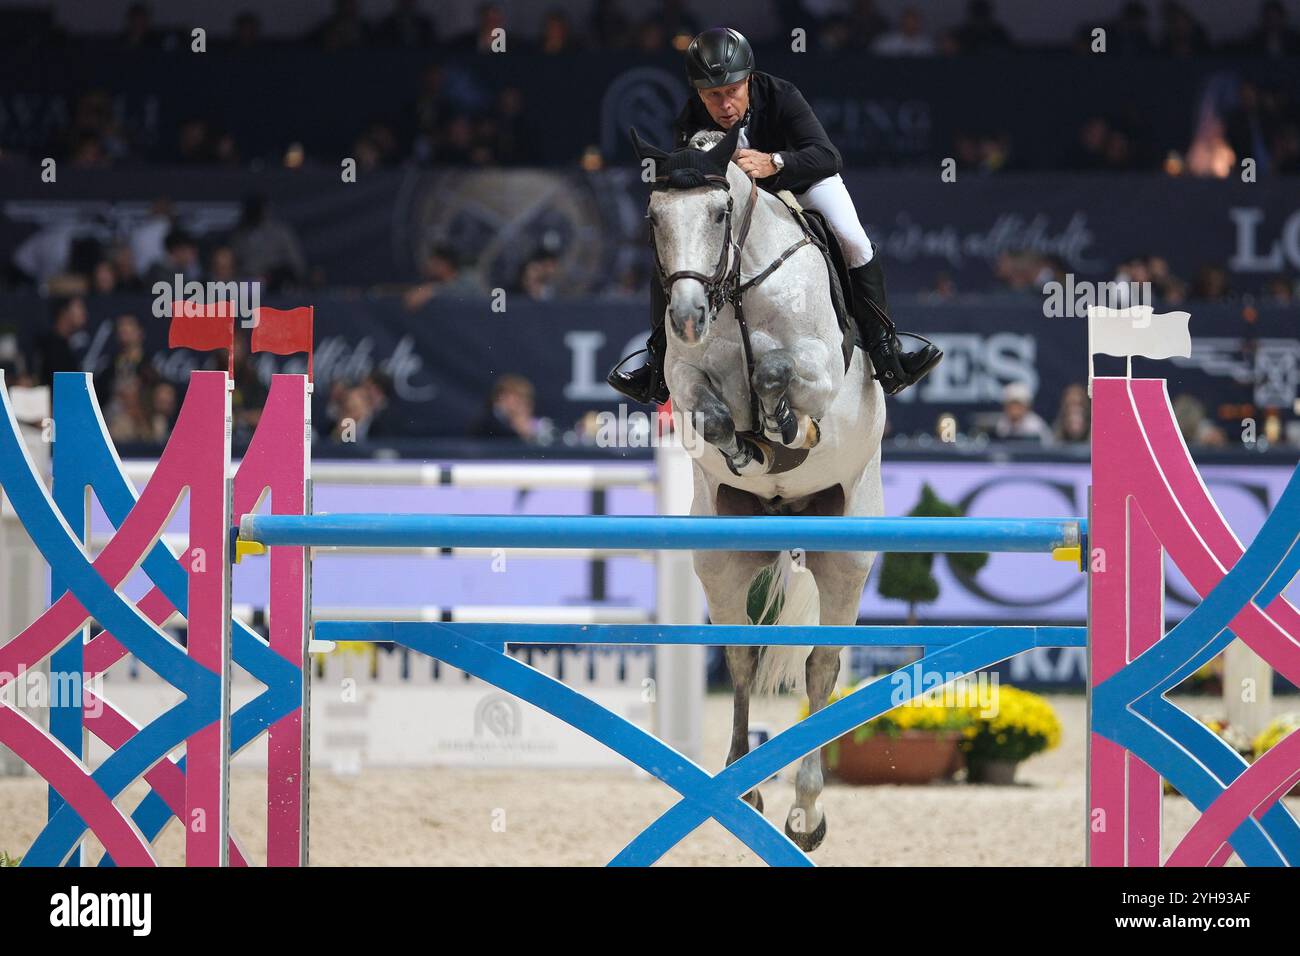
[[757, 94]]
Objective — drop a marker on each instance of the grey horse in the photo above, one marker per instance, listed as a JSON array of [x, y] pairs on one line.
[[786, 428]]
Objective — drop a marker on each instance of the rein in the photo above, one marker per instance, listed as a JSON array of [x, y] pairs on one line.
[[725, 285]]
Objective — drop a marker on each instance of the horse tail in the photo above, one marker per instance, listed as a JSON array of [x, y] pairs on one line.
[[783, 593]]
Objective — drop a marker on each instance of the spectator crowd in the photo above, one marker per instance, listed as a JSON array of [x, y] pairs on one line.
[[458, 118], [441, 123], [70, 258], [1140, 28]]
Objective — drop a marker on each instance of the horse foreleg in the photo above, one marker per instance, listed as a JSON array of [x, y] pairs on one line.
[[711, 417], [794, 392]]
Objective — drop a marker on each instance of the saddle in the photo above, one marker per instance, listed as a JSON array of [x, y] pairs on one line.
[[816, 229]]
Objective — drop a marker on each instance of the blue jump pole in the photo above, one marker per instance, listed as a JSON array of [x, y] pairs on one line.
[[716, 635], [766, 533]]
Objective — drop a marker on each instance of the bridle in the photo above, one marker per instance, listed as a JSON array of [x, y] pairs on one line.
[[720, 287], [724, 285]]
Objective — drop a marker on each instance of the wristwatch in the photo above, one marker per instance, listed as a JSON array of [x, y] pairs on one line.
[[778, 162]]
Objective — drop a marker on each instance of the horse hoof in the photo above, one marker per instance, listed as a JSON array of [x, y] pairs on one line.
[[755, 799], [807, 841], [782, 425], [814, 436], [749, 463]]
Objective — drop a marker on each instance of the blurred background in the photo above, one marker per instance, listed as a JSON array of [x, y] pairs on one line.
[[489, 263]]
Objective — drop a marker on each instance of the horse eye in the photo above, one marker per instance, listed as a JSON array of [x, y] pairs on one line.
[[720, 216]]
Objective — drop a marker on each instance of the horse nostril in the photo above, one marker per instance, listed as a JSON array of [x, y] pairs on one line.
[[688, 317], [695, 324]]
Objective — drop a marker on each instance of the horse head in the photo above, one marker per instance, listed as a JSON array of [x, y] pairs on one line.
[[691, 216]]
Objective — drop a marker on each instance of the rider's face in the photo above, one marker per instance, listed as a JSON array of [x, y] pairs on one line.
[[727, 104]]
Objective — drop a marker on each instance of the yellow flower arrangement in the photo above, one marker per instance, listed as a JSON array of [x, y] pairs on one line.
[[366, 650], [1207, 675], [1272, 735], [1021, 725], [360, 648], [908, 716]]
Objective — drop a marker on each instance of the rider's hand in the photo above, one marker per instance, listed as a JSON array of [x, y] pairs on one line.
[[755, 164]]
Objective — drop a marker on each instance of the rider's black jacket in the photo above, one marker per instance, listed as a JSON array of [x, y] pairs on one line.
[[779, 121]]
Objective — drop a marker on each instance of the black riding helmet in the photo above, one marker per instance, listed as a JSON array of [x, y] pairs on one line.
[[717, 57]]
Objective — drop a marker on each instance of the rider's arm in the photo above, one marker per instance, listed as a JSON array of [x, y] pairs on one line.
[[812, 157]]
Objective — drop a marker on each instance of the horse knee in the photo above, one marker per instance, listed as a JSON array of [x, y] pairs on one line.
[[712, 419], [773, 374]]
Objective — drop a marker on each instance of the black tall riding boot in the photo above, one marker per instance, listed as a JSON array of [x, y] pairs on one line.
[[646, 384], [895, 368]]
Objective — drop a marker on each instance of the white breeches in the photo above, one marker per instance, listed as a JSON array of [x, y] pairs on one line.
[[831, 198]]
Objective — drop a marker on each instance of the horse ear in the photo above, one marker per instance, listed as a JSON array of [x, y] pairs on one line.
[[723, 148], [643, 149]]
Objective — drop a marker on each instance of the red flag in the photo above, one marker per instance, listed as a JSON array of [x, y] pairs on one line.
[[202, 327], [282, 331]]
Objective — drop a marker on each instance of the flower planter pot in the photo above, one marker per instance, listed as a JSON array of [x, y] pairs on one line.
[[998, 772], [914, 757]]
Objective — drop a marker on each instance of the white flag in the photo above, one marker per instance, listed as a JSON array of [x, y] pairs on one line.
[[31, 406], [1137, 331]]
